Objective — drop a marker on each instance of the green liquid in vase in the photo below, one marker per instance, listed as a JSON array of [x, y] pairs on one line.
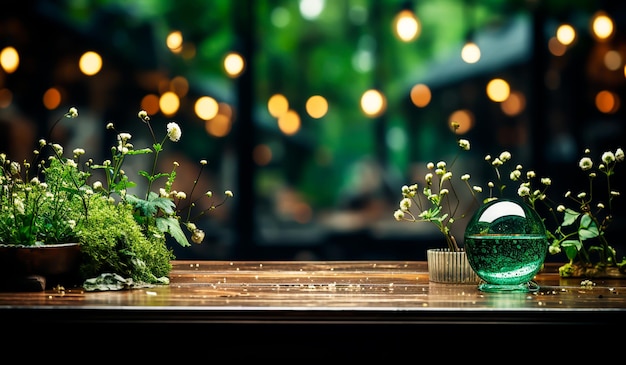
[[506, 259]]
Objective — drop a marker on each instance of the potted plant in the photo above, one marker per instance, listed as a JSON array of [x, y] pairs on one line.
[[118, 236], [437, 200]]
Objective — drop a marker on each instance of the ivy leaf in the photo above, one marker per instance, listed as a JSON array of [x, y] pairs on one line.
[[569, 217], [571, 248], [588, 228]]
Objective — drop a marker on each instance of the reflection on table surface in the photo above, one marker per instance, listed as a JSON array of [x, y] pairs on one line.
[[330, 286]]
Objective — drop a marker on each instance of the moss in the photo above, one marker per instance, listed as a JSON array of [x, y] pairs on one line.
[[113, 242]]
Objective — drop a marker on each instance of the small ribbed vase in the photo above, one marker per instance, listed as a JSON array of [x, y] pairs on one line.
[[445, 266]]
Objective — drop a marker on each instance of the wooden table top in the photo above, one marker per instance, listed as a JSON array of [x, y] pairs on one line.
[[348, 293]]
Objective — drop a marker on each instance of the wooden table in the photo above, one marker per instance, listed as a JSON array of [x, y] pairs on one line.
[[358, 299]]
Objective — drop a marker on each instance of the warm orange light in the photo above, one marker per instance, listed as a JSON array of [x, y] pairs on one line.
[[206, 107], [150, 103], [464, 118], [277, 105], [234, 64], [316, 106], [174, 41], [514, 104], [565, 34], [289, 123], [498, 90], [420, 95], [219, 126], [407, 26], [373, 103], [607, 102], [602, 26], [9, 59], [52, 98], [90, 63], [169, 103]]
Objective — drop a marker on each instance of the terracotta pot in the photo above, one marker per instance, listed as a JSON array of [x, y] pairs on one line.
[[23, 267]]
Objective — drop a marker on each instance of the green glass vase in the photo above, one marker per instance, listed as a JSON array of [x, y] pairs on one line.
[[506, 245]]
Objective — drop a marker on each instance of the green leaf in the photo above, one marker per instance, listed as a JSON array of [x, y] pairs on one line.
[[587, 228], [571, 248], [590, 232], [165, 204], [569, 217], [142, 151], [172, 226], [586, 221]]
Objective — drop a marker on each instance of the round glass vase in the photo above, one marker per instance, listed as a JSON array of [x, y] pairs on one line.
[[452, 267], [506, 245]]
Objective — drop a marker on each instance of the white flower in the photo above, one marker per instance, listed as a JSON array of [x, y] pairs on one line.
[[505, 156], [228, 193], [173, 131], [608, 157], [464, 144], [72, 113], [585, 163], [57, 148], [398, 214], [523, 190], [123, 137], [619, 155], [405, 204]]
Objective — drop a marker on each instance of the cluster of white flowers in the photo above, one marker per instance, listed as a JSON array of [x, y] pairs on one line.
[[439, 202]]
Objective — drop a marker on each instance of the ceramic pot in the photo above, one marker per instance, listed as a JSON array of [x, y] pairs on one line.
[[506, 244], [30, 268], [445, 266]]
